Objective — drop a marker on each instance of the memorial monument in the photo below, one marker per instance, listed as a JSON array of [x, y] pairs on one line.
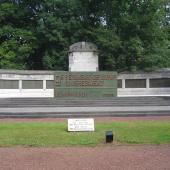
[[83, 80], [83, 56]]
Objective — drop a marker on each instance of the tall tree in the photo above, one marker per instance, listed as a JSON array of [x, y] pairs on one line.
[[17, 41], [36, 34]]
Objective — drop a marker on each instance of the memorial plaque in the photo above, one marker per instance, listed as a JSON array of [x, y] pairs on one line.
[[79, 125], [85, 84]]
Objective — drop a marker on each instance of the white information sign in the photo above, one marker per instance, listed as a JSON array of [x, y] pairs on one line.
[[77, 125]]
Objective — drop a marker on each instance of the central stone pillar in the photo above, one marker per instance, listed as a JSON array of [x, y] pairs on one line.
[[83, 56]]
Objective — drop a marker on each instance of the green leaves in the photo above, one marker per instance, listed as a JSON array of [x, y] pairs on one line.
[[15, 47], [37, 34]]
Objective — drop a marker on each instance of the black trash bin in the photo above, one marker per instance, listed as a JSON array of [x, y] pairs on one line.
[[109, 136]]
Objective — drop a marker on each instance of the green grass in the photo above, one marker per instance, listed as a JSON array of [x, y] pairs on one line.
[[55, 134]]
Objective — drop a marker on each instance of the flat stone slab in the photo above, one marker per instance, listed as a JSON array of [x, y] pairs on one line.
[[68, 112], [84, 109]]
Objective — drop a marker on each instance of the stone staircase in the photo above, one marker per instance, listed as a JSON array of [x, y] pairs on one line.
[[54, 107]]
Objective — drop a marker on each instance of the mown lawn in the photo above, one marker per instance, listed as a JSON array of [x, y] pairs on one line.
[[55, 134]]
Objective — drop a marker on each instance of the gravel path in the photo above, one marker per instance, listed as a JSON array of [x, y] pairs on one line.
[[109, 157]]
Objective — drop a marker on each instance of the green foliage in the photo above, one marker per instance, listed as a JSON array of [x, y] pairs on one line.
[[37, 34], [16, 47], [17, 42]]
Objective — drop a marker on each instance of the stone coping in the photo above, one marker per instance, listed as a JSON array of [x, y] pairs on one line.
[[83, 47], [164, 73], [25, 72]]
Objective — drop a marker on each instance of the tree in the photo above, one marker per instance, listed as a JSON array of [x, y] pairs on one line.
[[129, 33], [17, 42]]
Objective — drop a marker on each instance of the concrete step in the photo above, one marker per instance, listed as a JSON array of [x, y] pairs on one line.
[[84, 115], [51, 107], [36, 102], [84, 105]]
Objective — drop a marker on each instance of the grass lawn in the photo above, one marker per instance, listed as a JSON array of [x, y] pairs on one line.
[[55, 134]]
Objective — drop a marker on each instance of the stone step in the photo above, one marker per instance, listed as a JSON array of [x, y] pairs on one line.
[[52, 107], [112, 99], [84, 115], [89, 103], [85, 105]]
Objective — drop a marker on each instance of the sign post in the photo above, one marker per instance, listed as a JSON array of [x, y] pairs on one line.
[[80, 125]]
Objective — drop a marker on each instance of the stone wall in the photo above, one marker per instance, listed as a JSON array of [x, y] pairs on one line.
[[23, 83], [144, 83]]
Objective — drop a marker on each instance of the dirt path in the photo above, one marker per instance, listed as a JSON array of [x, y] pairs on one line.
[[86, 158]]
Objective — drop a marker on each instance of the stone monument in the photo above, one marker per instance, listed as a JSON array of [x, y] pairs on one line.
[[83, 80], [83, 56]]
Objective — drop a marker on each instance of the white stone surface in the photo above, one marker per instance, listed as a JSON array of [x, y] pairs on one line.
[[132, 109], [127, 92], [12, 93], [25, 77], [76, 125], [83, 61]]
